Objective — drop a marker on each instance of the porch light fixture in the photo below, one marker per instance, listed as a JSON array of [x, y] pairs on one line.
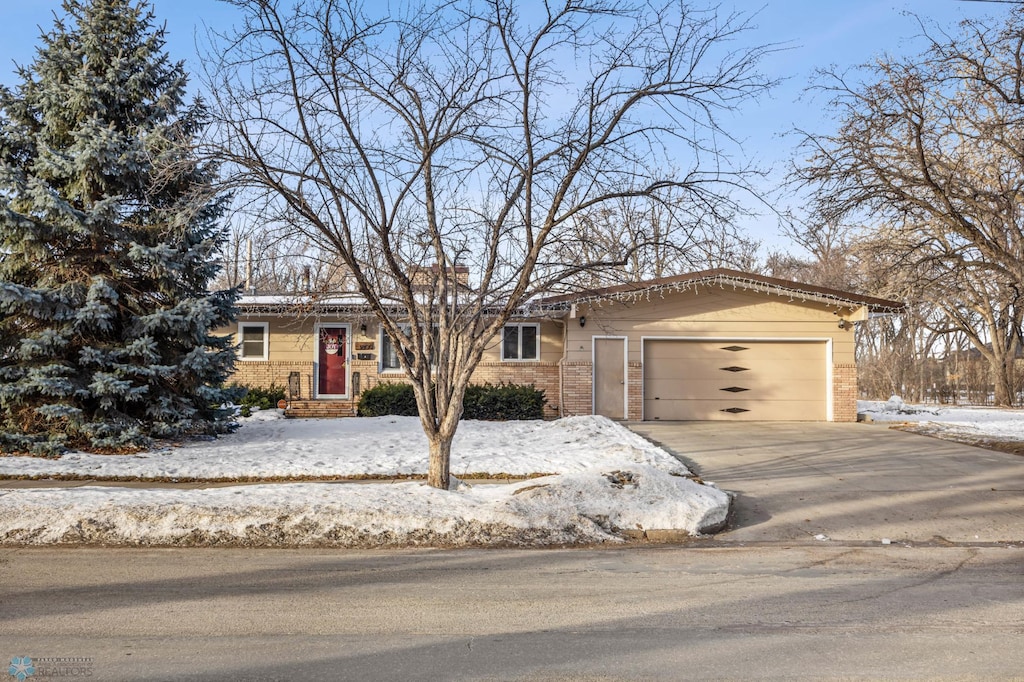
[[843, 324], [583, 320]]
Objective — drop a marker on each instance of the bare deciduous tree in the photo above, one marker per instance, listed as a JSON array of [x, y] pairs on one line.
[[643, 240], [932, 142], [832, 258], [965, 296], [929, 148], [474, 133]]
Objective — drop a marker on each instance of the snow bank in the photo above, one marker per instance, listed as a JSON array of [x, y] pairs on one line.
[[983, 422], [584, 507], [610, 481], [979, 422]]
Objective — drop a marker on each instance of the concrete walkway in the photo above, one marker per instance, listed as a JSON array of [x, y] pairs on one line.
[[851, 482]]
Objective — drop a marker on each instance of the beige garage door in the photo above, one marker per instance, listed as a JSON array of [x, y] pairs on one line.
[[743, 380]]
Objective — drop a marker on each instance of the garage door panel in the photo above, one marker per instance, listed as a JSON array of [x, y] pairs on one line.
[[749, 372], [717, 352], [752, 410], [755, 380], [696, 389]]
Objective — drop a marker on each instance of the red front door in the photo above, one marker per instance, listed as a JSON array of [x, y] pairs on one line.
[[332, 357]]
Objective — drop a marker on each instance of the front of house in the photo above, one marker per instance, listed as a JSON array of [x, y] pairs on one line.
[[712, 345]]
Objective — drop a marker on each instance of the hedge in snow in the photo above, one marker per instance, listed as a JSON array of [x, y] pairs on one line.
[[501, 402]]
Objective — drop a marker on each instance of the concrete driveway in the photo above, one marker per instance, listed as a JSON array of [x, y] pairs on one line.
[[851, 482]]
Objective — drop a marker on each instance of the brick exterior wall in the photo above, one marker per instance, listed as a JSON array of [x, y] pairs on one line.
[[263, 374], [576, 398], [844, 393], [577, 388], [365, 375], [635, 391]]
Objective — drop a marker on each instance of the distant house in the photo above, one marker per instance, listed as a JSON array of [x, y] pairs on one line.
[[712, 345]]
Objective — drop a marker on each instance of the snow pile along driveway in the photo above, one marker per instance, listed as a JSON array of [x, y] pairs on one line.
[[611, 483], [959, 423]]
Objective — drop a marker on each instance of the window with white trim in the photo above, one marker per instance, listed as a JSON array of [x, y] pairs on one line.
[[520, 342], [253, 340]]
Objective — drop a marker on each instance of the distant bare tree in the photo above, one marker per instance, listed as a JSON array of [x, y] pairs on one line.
[[929, 148], [275, 261], [413, 137], [831, 260], [651, 240], [965, 295]]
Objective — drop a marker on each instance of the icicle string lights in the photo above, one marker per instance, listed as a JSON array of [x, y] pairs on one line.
[[557, 306], [791, 293]]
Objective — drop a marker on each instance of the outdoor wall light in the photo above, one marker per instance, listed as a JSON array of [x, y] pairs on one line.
[[362, 328], [583, 320], [843, 324]]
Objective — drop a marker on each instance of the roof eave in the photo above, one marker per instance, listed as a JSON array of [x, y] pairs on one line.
[[725, 278]]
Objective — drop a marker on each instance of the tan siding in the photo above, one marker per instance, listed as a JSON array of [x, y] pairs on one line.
[[709, 313], [550, 342], [729, 314], [291, 341], [712, 304]]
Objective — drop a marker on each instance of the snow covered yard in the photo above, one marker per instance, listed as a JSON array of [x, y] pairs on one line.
[[604, 482], [997, 428]]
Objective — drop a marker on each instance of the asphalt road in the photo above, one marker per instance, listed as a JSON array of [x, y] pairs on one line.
[[664, 613]]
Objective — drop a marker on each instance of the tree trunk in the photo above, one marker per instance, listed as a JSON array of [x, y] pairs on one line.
[[439, 474], [1003, 376], [440, 431]]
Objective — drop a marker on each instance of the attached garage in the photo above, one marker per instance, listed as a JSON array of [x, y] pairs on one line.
[[736, 379], [715, 345]]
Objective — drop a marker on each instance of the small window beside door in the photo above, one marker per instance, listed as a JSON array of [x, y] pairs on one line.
[[254, 341], [520, 342], [389, 361]]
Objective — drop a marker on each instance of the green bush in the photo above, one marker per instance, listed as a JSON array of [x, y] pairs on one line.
[[388, 398], [504, 402], [259, 397]]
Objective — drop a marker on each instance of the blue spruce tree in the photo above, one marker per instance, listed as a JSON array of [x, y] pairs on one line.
[[109, 233]]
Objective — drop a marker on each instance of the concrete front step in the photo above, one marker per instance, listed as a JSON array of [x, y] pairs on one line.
[[312, 409]]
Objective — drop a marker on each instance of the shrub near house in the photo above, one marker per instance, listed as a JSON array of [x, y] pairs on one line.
[[259, 398], [504, 402]]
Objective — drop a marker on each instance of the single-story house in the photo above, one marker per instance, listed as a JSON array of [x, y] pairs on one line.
[[713, 345]]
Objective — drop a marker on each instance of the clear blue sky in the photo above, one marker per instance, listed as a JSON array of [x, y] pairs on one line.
[[817, 32]]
